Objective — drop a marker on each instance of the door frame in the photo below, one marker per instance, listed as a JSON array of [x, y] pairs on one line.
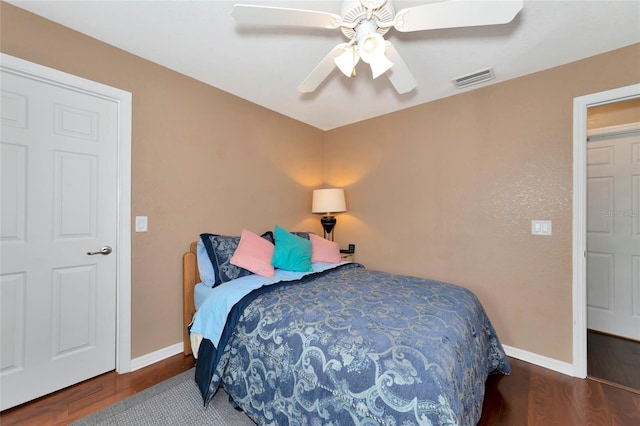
[[580, 106], [122, 99], [606, 134]]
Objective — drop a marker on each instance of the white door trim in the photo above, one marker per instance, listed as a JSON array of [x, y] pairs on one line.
[[618, 130], [580, 105], [123, 100]]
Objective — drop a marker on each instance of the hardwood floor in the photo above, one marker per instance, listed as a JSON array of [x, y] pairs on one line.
[[531, 395], [613, 359], [78, 401]]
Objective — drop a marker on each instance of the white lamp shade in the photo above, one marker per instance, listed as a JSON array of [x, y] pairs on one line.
[[329, 200], [380, 66], [347, 60], [371, 48]]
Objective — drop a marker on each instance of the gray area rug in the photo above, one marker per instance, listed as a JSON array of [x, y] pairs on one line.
[[176, 401]]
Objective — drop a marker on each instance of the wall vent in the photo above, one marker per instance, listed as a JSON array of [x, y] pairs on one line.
[[474, 78]]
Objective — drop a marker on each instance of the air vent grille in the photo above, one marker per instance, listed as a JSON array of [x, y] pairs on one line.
[[474, 78]]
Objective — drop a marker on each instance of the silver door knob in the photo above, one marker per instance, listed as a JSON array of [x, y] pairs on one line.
[[103, 250]]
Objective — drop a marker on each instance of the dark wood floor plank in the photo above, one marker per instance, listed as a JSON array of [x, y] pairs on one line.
[[506, 397], [613, 359], [544, 395], [624, 405], [78, 401]]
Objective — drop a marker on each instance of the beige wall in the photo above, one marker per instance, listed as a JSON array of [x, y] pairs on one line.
[[443, 190], [448, 190], [202, 161], [614, 114]]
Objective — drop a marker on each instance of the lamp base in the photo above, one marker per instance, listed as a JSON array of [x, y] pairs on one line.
[[328, 222]]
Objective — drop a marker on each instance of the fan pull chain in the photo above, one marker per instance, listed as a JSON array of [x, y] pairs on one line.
[[353, 73]]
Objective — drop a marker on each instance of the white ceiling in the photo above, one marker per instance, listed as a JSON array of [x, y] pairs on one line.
[[265, 65]]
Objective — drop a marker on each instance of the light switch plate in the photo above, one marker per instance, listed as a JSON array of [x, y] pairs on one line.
[[141, 223], [541, 227]]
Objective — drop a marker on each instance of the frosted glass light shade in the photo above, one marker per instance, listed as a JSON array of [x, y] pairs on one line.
[[347, 60], [371, 48], [381, 65], [329, 200]]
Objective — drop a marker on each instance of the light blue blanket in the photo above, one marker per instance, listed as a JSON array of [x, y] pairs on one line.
[[212, 314]]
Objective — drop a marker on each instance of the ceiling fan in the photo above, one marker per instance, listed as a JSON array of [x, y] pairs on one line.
[[365, 22]]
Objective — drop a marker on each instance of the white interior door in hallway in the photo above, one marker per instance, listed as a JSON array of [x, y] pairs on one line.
[[613, 233], [59, 198]]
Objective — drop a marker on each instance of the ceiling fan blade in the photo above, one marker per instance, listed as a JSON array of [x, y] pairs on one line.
[[457, 13], [322, 70], [265, 15], [399, 75]]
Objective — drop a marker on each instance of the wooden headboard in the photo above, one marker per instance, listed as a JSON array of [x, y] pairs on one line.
[[190, 276]]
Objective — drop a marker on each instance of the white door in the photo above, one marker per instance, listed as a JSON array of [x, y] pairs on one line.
[[613, 234], [59, 202]]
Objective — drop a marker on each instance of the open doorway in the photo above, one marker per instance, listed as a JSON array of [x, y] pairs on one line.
[[613, 243], [579, 243]]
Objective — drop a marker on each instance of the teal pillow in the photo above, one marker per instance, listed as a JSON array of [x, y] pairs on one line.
[[292, 253]]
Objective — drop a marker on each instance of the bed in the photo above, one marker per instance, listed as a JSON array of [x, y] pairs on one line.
[[343, 345]]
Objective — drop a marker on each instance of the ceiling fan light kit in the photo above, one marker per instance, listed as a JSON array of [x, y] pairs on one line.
[[365, 22], [347, 61], [371, 46]]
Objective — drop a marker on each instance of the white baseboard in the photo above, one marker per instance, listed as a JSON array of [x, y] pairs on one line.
[[540, 360], [153, 357]]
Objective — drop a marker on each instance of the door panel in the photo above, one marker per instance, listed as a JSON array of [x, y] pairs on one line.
[[600, 273], [74, 182], [13, 316], [600, 196], [74, 310], [59, 201], [613, 235]]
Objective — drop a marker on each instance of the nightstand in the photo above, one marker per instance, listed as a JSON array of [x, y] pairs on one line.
[[346, 256]]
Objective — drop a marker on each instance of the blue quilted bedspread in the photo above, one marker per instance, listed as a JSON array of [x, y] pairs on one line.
[[357, 346]]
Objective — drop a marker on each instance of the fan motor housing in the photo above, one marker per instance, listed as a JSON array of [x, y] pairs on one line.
[[353, 12]]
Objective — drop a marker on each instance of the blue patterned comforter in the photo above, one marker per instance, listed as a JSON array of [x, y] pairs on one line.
[[357, 346]]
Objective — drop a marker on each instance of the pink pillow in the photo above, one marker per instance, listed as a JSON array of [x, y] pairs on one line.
[[254, 253], [323, 250]]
